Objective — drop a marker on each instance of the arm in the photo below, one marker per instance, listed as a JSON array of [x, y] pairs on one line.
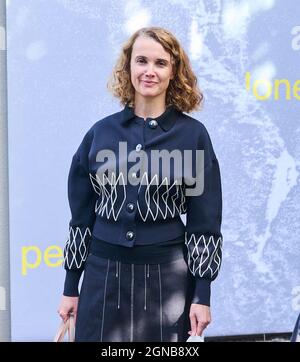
[[203, 236], [82, 199]]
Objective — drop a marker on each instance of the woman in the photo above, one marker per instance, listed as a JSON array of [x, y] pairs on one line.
[[147, 275]]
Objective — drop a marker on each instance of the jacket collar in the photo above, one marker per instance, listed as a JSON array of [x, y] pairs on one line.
[[166, 120]]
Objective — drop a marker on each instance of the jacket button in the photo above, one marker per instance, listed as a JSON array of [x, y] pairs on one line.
[[138, 147], [153, 123], [129, 235], [130, 207]]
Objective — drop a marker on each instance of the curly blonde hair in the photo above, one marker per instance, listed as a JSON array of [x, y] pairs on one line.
[[182, 91]]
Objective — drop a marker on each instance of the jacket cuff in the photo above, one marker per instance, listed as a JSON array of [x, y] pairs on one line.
[[202, 292], [71, 282]]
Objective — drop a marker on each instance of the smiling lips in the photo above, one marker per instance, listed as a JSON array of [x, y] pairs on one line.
[[146, 82]]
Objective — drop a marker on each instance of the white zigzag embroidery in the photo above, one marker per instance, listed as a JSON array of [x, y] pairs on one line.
[[201, 262], [73, 250], [164, 196], [109, 197]]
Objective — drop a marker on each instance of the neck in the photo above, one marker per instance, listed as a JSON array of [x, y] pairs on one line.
[[150, 109]]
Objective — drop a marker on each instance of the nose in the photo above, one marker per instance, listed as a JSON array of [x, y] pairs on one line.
[[149, 76], [149, 73]]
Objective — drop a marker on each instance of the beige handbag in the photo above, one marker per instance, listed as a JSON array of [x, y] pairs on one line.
[[67, 327], [195, 338]]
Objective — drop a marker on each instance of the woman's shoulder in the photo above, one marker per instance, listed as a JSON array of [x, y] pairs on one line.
[[101, 125], [196, 126], [106, 120], [90, 131]]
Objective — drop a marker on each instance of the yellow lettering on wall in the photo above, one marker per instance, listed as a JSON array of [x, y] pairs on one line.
[[266, 87], [288, 88], [248, 86], [25, 263], [269, 89], [58, 255], [296, 89]]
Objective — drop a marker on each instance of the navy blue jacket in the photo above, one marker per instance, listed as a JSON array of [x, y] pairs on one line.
[[121, 201]]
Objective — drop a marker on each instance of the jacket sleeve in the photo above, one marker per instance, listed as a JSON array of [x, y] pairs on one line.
[[203, 236], [82, 199]]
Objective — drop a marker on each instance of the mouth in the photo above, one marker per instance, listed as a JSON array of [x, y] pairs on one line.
[[148, 82]]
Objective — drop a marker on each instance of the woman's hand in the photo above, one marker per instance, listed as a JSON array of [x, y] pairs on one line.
[[200, 318], [68, 305]]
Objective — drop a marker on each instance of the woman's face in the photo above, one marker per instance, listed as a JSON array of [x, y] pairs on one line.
[[150, 67]]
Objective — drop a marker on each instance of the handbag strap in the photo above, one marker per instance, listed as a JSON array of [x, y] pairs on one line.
[[68, 326], [71, 329]]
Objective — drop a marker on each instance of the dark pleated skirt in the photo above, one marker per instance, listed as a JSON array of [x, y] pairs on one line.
[[128, 302]]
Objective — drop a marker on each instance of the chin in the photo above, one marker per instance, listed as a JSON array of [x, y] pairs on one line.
[[149, 93]]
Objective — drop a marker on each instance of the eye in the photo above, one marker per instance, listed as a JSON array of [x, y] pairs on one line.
[[141, 60]]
